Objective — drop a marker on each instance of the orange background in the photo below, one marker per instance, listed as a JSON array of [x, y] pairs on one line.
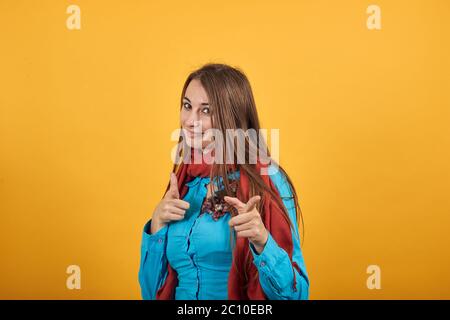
[[86, 117]]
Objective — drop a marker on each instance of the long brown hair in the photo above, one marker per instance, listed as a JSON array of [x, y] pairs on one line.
[[233, 106]]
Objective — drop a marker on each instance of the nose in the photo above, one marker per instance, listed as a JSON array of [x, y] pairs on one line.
[[192, 119], [197, 126], [193, 123]]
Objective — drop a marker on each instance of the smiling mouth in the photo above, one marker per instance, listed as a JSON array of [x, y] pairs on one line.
[[194, 135], [191, 134]]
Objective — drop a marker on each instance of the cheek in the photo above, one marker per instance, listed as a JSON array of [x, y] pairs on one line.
[[182, 116], [207, 123]]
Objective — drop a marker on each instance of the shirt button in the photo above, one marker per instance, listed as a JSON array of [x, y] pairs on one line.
[[262, 264], [160, 240]]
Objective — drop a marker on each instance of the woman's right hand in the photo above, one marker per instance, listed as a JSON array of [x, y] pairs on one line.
[[170, 208]]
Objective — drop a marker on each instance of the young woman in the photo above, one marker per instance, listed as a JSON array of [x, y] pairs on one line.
[[223, 230]]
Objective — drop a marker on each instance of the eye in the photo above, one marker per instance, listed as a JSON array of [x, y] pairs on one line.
[[206, 111], [187, 106]]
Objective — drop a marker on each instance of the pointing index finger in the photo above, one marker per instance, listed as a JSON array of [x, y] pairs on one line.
[[251, 204], [235, 202]]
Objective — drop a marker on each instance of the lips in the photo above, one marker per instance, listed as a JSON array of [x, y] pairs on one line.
[[191, 134]]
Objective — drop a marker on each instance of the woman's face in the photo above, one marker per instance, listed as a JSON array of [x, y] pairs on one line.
[[195, 115]]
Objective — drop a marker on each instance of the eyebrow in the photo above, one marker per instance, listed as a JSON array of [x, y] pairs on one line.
[[203, 103]]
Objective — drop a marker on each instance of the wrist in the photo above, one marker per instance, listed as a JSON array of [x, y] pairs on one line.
[[259, 246], [156, 224]]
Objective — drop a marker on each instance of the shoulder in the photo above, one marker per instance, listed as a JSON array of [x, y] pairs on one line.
[[277, 177], [280, 181]]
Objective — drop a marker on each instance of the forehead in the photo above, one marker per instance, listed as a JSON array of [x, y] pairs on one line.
[[195, 92]]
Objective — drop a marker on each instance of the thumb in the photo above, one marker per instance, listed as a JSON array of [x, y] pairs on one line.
[[173, 192], [251, 204], [235, 202]]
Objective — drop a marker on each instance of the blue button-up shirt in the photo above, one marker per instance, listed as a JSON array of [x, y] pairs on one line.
[[200, 250]]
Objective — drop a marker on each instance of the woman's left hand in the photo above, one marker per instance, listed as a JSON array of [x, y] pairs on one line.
[[248, 222]]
